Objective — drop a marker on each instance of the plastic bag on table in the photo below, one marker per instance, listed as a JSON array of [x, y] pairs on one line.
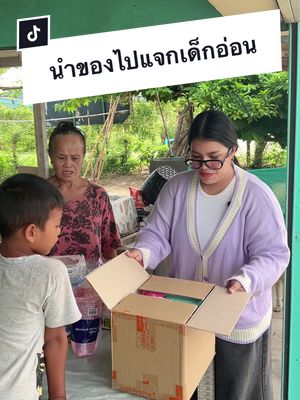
[[76, 266]]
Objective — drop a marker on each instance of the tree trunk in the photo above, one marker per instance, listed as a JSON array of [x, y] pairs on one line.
[[14, 152], [259, 149], [185, 118], [248, 153]]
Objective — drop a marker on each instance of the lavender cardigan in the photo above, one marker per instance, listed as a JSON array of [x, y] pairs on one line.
[[250, 243]]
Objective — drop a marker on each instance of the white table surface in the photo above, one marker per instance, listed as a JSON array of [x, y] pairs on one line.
[[89, 378]]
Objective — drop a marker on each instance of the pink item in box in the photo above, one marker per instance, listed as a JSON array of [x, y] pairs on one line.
[[152, 294]]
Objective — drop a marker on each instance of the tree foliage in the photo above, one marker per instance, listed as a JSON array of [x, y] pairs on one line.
[[257, 104], [137, 140], [16, 137]]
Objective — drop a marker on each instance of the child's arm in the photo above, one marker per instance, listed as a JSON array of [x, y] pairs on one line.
[[55, 350]]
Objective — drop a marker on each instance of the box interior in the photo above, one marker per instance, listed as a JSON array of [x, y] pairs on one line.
[[156, 308], [123, 276]]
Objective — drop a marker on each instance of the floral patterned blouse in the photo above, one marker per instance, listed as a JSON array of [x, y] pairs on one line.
[[87, 226]]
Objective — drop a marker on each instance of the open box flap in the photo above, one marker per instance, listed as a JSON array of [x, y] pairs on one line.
[[155, 308], [220, 311], [116, 279], [181, 287]]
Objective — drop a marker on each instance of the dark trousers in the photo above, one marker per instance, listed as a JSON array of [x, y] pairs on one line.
[[243, 371]]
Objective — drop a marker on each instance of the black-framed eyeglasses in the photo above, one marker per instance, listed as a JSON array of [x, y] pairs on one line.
[[211, 164]]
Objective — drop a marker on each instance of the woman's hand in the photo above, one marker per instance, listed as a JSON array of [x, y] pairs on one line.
[[234, 286], [136, 254]]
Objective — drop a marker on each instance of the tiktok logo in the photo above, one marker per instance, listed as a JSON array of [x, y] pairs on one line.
[[32, 35], [33, 32]]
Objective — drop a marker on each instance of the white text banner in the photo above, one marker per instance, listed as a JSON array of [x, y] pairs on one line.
[[156, 56]]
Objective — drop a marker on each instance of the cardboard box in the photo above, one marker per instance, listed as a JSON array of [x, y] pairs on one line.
[[162, 348], [125, 214]]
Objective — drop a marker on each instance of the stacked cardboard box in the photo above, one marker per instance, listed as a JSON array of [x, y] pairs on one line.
[[125, 214]]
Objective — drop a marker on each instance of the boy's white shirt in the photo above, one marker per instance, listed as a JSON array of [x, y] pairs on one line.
[[34, 291]]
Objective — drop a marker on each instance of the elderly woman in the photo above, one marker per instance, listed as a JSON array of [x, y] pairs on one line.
[[87, 227]]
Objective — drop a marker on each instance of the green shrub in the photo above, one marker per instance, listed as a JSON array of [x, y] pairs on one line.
[[133, 144], [7, 166], [274, 155], [27, 159]]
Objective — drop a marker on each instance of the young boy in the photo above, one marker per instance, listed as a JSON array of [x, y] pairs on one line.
[[36, 298]]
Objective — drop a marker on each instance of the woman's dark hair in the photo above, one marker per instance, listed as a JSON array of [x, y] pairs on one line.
[[213, 125], [65, 128], [26, 199]]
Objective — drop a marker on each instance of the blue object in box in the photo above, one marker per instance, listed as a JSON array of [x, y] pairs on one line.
[[183, 299]]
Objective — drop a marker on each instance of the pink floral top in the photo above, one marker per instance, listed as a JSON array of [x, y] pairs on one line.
[[87, 226]]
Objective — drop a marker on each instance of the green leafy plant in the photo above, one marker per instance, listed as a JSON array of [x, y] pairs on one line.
[[16, 137]]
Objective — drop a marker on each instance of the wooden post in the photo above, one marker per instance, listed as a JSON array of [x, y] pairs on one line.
[[41, 139]]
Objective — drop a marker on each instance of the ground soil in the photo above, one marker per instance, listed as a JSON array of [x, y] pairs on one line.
[[119, 184]]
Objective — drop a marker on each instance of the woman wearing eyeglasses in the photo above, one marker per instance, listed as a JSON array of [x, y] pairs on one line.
[[223, 225], [87, 226]]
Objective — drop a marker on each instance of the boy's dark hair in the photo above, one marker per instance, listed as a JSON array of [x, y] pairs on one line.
[[65, 128], [26, 199]]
